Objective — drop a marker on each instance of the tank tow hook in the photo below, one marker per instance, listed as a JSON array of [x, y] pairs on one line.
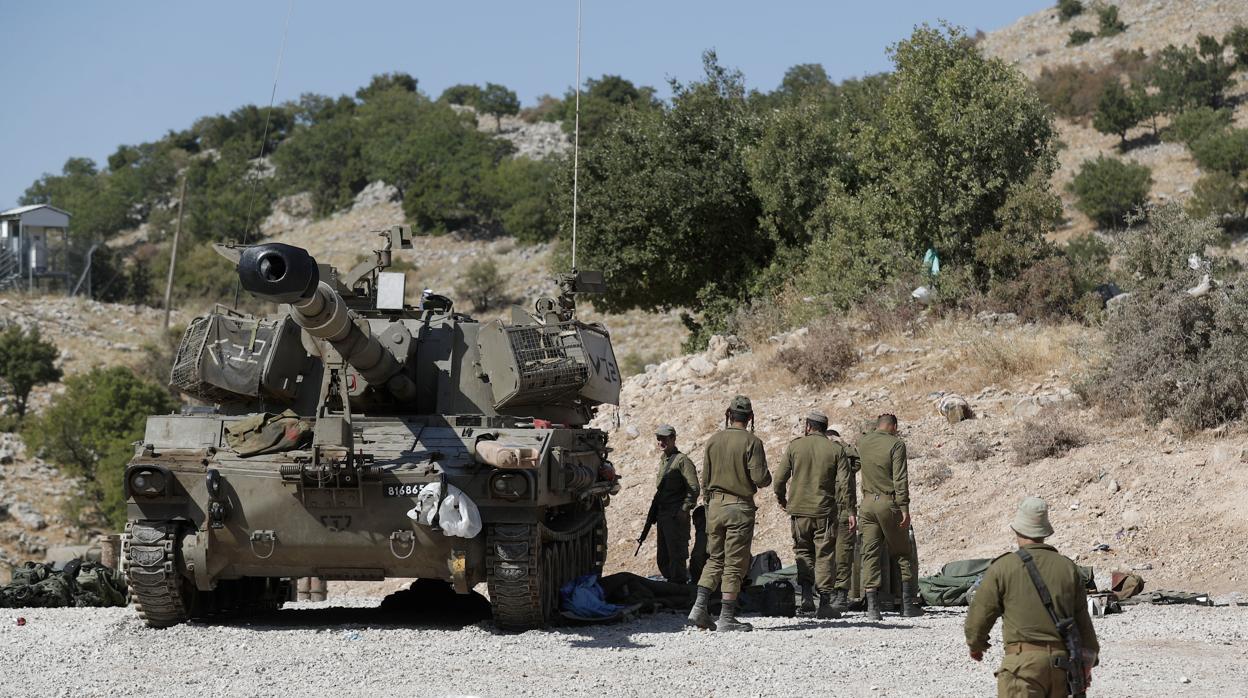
[[400, 540], [263, 537]]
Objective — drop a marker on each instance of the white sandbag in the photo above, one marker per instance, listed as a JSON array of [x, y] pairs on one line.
[[458, 515]]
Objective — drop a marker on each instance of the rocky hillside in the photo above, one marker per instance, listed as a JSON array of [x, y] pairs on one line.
[[1039, 40], [1132, 497]]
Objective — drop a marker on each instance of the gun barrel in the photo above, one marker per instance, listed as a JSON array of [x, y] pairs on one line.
[[287, 274]]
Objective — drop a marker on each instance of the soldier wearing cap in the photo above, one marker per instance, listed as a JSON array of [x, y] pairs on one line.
[[846, 524], [884, 513], [675, 495], [819, 472], [1033, 646], [734, 467]]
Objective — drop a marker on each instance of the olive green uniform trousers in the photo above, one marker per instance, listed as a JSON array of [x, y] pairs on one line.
[[729, 533], [879, 518], [1031, 674], [673, 545], [844, 551], [814, 546]]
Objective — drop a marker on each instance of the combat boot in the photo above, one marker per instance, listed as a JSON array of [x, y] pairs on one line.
[[873, 606], [728, 618], [699, 616], [808, 599], [840, 601], [826, 609], [910, 607]]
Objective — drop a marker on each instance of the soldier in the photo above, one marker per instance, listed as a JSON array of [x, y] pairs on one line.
[[819, 471], [846, 526], [1035, 654], [734, 467], [675, 495], [884, 513]]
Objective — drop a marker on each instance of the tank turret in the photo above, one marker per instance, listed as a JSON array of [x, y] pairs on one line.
[[287, 274]]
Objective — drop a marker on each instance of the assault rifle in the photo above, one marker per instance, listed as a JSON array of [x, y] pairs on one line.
[[1073, 665], [651, 517]]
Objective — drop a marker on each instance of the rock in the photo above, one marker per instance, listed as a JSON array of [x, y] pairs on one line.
[[700, 366], [1132, 518], [375, 194], [1113, 486], [631, 431], [1222, 454], [845, 404], [26, 515], [1027, 407]]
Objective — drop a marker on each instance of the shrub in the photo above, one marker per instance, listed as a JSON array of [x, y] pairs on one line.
[[1185, 80], [1223, 151], [824, 359], [1079, 37], [1158, 253], [89, 431], [636, 362], [1117, 111], [1219, 195], [1072, 91], [1237, 39], [1108, 22], [1068, 9], [482, 284], [1108, 189], [971, 448], [1192, 125], [1046, 437], [548, 108], [26, 360], [1047, 290]]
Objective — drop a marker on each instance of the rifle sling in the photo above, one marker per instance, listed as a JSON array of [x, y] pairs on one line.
[[1045, 597]]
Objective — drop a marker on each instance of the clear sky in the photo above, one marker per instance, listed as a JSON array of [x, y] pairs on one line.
[[82, 77]]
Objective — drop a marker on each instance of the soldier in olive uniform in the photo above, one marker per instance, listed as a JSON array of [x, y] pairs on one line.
[[734, 467], [884, 513], [1033, 647], [819, 472], [846, 525], [676, 494]]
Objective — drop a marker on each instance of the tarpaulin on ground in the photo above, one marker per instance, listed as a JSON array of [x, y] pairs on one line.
[[79, 583], [954, 584]]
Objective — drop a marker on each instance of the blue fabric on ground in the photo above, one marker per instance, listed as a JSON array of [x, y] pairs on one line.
[[584, 597]]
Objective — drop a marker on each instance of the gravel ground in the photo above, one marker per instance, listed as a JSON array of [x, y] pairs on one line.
[[324, 649]]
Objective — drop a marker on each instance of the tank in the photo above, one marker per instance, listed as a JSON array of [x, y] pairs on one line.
[[350, 436]]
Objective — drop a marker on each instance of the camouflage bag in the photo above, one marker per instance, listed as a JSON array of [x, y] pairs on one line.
[[36, 585], [98, 586]]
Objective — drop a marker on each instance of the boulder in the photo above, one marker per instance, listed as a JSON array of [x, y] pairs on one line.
[[26, 515], [1227, 454]]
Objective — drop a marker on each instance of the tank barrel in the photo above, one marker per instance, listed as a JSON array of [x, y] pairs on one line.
[[287, 274]]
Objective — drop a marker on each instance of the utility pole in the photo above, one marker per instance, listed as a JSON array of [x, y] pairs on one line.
[[173, 254]]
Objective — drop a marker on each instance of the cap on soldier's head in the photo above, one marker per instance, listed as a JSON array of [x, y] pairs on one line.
[[741, 403], [817, 417], [665, 430], [1032, 519]]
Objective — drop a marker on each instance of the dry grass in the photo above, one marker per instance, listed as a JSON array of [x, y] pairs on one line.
[[971, 448], [1047, 437], [825, 358]]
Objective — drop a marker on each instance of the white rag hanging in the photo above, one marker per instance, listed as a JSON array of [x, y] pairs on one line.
[[457, 515]]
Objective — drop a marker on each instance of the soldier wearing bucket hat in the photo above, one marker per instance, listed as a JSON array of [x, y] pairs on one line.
[[818, 470], [1036, 656], [675, 495], [734, 467]]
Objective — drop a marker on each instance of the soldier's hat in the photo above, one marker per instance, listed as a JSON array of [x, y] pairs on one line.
[[741, 403], [1032, 519], [817, 417], [665, 430]]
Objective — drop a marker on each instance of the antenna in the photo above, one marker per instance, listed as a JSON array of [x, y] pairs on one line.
[[251, 200], [576, 131]]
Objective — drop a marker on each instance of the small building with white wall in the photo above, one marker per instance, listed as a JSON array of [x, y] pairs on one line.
[[25, 236]]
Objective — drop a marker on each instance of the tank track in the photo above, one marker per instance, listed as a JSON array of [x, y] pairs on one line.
[[157, 588], [164, 597], [526, 564]]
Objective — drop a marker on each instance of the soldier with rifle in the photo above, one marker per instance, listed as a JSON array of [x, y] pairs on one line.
[[675, 495], [1050, 645]]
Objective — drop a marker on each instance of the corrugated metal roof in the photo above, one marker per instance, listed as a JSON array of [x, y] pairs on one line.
[[27, 209]]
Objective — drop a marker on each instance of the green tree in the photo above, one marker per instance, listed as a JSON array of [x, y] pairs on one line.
[[602, 101], [387, 82], [1223, 151], [525, 193], [964, 147], [667, 209], [89, 431], [139, 283], [482, 284], [498, 101], [805, 81], [226, 197], [1219, 195], [1185, 80], [1117, 112], [461, 94], [1237, 39], [100, 209], [1108, 22], [1068, 9], [26, 360], [1192, 125], [325, 159], [1108, 189]]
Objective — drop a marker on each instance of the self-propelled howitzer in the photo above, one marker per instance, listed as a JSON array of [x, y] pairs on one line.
[[354, 436]]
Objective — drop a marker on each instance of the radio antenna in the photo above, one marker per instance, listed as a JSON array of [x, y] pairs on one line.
[[576, 132]]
